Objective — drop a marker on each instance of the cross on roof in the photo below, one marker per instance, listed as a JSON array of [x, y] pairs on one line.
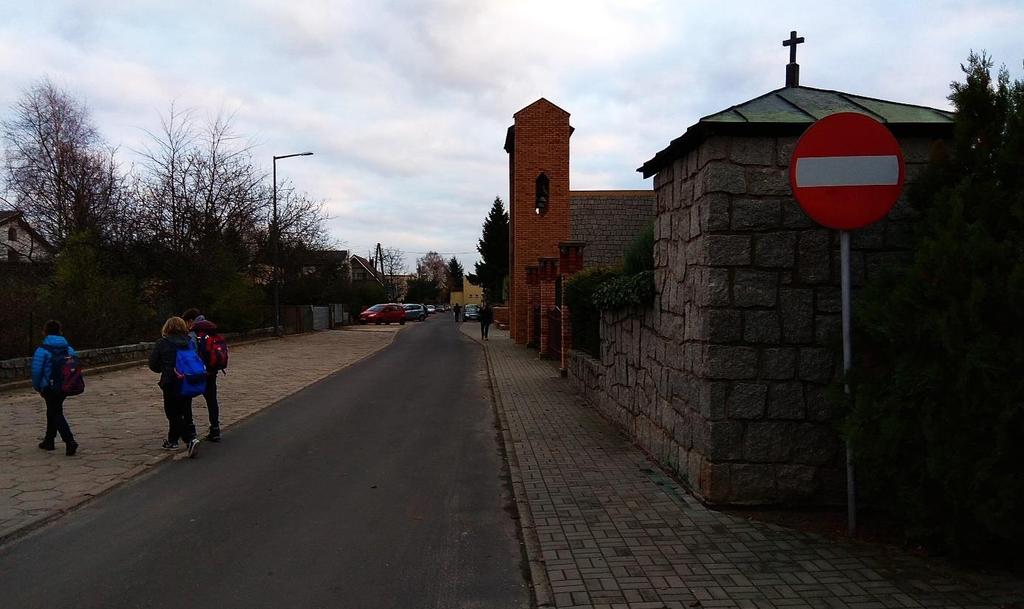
[[791, 43]]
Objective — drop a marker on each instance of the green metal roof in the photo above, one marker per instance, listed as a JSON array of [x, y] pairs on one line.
[[790, 110]]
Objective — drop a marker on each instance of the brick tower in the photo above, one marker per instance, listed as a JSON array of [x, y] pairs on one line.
[[539, 216]]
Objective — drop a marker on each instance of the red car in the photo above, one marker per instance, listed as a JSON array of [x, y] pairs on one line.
[[383, 314]]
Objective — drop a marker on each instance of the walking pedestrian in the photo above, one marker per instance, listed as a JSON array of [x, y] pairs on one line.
[[177, 408], [486, 317], [458, 311], [54, 346], [190, 316], [214, 352]]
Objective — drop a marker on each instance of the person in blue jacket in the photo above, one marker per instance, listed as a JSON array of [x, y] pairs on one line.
[[42, 371]]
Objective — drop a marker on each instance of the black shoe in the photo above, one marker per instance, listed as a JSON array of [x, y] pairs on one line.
[[71, 448], [214, 435], [193, 448], [168, 445], [47, 445]]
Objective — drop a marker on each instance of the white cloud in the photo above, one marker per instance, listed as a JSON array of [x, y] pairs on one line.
[[406, 103]]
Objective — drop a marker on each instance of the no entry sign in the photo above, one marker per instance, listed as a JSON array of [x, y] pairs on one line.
[[846, 171]]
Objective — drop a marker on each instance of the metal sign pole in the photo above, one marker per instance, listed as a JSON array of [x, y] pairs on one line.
[[851, 485]]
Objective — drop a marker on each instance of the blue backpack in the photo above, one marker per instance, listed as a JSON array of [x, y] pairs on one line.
[[190, 371]]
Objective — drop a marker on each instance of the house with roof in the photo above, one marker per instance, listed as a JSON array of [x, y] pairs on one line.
[[22, 243], [724, 378], [363, 271]]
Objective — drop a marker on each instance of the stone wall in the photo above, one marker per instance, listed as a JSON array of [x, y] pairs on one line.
[[724, 379], [20, 368], [608, 221]]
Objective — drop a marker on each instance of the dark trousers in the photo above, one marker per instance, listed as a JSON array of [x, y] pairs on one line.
[[55, 421], [179, 417], [212, 405], [484, 326]]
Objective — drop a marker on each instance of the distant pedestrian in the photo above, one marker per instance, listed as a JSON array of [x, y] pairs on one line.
[[213, 350], [458, 311], [190, 316], [177, 407], [46, 380], [486, 317]]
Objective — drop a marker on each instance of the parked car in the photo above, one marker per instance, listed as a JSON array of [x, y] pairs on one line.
[[471, 311], [431, 309], [383, 314], [415, 312]]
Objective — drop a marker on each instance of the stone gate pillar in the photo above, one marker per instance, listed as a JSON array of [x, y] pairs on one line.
[[570, 261]]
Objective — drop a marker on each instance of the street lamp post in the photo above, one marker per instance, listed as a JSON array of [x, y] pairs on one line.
[[277, 247]]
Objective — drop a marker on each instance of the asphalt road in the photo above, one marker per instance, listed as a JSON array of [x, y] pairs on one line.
[[380, 487]]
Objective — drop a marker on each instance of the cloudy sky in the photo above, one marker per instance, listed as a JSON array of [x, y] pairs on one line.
[[405, 103]]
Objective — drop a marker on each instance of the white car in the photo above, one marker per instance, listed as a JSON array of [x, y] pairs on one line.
[[431, 309]]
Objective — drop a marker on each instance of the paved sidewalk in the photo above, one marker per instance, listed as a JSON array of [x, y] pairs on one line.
[[119, 421], [610, 530]]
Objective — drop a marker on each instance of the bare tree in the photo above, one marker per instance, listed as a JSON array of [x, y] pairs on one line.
[[390, 262], [58, 171], [433, 268], [201, 183]]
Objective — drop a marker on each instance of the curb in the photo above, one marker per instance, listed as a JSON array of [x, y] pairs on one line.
[[543, 595], [21, 530], [18, 531]]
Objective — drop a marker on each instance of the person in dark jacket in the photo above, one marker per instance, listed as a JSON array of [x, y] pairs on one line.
[[178, 409], [42, 370], [202, 329], [486, 317]]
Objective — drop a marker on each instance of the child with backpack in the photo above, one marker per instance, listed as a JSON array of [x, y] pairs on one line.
[[182, 377], [213, 350], [56, 374]]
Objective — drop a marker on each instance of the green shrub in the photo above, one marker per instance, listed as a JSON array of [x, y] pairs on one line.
[[237, 305], [584, 315], [98, 308], [640, 255], [937, 421], [626, 291]]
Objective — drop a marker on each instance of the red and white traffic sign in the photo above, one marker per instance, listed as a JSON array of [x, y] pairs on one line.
[[846, 171]]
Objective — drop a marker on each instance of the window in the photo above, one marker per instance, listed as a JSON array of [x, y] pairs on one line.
[[12, 234], [541, 193]]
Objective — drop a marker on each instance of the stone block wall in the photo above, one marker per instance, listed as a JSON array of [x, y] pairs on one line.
[[724, 379], [608, 221]]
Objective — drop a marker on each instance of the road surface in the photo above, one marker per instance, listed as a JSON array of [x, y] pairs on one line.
[[380, 487]]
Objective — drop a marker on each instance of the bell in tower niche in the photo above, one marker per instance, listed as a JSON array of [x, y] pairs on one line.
[[542, 188]]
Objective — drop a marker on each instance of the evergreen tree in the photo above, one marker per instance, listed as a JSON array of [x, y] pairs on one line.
[[937, 423], [455, 274], [493, 247]]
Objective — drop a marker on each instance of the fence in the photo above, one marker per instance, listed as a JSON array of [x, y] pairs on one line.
[[21, 367], [295, 319]]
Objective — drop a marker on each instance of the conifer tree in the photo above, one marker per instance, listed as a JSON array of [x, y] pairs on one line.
[[493, 247], [455, 274], [937, 421]]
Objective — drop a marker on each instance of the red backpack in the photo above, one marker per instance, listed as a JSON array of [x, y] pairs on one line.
[[65, 372], [213, 350]]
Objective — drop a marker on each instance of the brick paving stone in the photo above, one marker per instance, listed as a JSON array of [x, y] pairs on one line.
[[119, 421], [614, 531]]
